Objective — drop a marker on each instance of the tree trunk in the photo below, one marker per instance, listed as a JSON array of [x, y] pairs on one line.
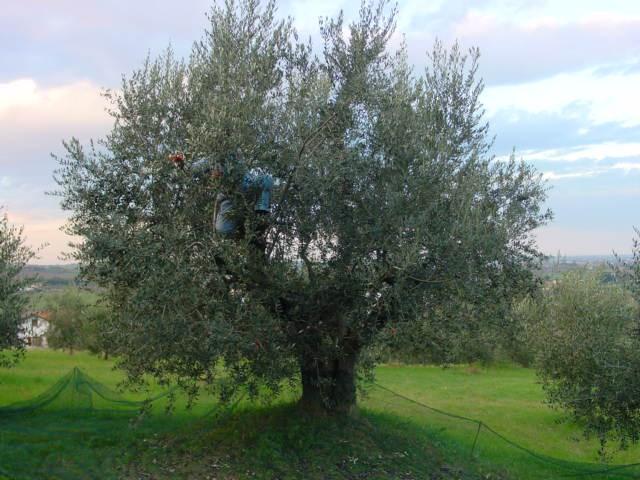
[[328, 386]]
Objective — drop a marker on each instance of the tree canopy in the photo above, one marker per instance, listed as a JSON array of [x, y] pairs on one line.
[[388, 209], [587, 333], [77, 319], [14, 255]]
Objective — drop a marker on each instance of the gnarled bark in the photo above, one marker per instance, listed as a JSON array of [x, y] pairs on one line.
[[328, 386]]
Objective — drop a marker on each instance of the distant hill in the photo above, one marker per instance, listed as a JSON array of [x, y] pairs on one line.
[[588, 259], [52, 276], [554, 266]]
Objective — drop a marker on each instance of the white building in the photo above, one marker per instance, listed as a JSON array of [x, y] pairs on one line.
[[34, 328]]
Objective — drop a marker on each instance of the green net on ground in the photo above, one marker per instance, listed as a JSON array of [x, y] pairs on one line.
[[76, 391], [480, 442], [77, 429], [81, 429]]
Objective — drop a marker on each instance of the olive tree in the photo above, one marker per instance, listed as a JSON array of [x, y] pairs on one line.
[[77, 319], [95, 321], [14, 255], [628, 272], [588, 354], [388, 209], [69, 317]]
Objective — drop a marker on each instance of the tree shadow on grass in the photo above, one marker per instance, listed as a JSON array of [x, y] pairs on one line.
[[282, 443]]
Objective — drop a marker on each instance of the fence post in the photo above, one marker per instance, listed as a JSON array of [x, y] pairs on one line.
[[475, 440]]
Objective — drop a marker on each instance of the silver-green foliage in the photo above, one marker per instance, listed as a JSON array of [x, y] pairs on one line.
[[628, 272], [77, 320], [588, 353], [14, 255], [389, 209]]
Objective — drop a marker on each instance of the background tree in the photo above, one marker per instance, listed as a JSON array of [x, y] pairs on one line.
[[389, 209], [67, 316], [78, 318], [14, 255], [628, 272], [588, 354], [96, 319]]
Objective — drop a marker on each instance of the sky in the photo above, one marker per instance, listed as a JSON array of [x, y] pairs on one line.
[[561, 88]]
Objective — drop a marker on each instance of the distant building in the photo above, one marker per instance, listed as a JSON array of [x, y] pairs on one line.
[[34, 329]]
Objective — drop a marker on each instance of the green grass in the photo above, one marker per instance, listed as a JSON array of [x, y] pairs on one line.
[[507, 399], [389, 438]]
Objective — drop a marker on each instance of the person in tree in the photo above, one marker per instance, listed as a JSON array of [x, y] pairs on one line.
[[228, 222]]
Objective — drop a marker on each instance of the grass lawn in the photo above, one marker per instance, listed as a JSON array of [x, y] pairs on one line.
[[390, 438], [506, 398]]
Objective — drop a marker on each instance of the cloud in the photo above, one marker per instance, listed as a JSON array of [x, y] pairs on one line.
[[561, 176], [525, 40], [306, 13], [43, 235], [580, 165], [61, 40], [603, 99], [18, 93], [626, 166], [574, 110], [521, 39], [594, 152], [548, 130], [5, 182], [583, 161], [527, 49], [34, 119], [23, 101]]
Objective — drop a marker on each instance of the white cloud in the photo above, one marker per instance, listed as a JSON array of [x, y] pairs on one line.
[[626, 166], [560, 176], [410, 10], [532, 15], [306, 13], [610, 98], [25, 104], [597, 158], [43, 234], [586, 10], [595, 152], [18, 93], [5, 182], [34, 119]]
